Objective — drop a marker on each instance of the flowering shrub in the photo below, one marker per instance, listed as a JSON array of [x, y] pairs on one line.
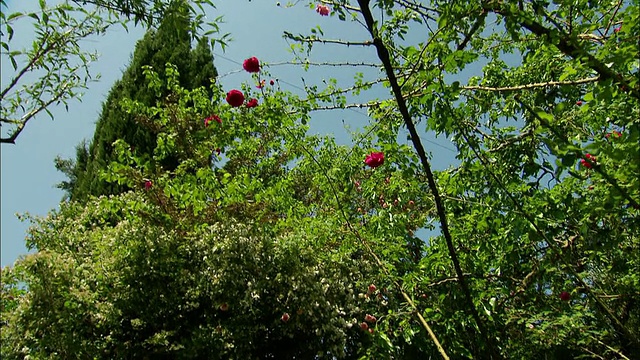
[[197, 266]]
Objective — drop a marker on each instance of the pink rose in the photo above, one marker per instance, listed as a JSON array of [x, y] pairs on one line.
[[323, 10], [251, 65], [374, 159], [148, 184], [370, 318], [235, 98]]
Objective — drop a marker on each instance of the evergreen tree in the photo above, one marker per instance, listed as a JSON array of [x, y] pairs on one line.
[[170, 43]]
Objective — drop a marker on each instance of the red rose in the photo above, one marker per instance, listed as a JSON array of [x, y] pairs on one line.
[[235, 98], [285, 317], [148, 184], [252, 103], [364, 326], [323, 10], [208, 120], [374, 159], [579, 102], [251, 65], [586, 163], [372, 288], [614, 133], [565, 296], [271, 82], [370, 318]]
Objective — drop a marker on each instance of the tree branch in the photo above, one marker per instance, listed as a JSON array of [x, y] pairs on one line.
[[384, 56], [533, 85], [299, 38], [561, 42]]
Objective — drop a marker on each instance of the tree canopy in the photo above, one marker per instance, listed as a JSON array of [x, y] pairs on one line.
[[264, 241], [170, 43]]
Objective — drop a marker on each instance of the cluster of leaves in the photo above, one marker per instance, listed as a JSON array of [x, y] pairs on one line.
[[60, 65], [170, 43], [116, 283], [54, 69]]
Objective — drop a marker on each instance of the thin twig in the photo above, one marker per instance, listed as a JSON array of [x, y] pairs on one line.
[[533, 85], [563, 43], [325, 41]]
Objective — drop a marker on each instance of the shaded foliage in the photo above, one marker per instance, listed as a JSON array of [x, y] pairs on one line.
[[170, 43]]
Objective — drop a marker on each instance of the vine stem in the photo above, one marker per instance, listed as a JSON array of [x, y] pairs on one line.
[[383, 55]]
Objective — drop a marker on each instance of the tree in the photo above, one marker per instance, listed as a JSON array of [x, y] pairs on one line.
[[207, 268], [171, 43], [60, 65]]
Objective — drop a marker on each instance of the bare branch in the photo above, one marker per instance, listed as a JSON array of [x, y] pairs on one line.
[[533, 85], [303, 39]]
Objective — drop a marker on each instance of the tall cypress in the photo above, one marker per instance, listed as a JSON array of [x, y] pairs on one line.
[[171, 43]]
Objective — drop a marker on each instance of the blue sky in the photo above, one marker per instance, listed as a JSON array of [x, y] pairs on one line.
[[28, 175]]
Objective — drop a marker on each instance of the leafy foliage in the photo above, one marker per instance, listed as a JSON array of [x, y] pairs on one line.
[[171, 43], [259, 220]]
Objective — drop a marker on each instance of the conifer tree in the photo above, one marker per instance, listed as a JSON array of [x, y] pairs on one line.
[[170, 43]]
